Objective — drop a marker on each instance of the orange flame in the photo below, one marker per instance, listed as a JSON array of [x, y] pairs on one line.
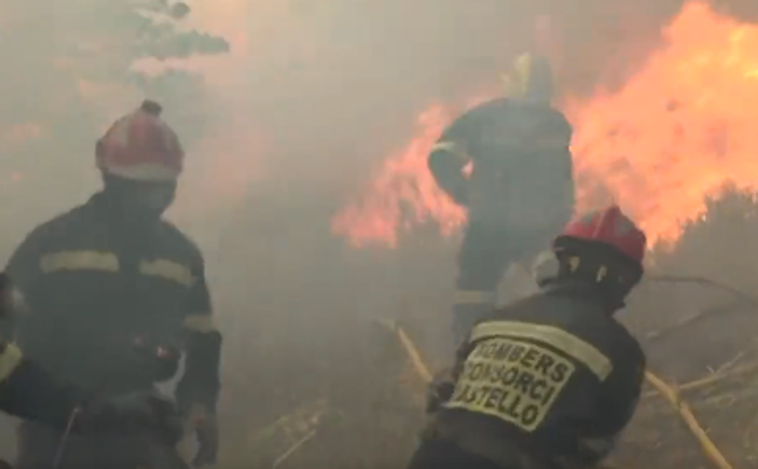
[[679, 129], [674, 133], [404, 192]]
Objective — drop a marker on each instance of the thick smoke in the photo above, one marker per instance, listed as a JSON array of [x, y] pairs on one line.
[[283, 129], [336, 84]]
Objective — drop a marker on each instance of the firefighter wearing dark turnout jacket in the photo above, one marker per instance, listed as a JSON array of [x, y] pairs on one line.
[[116, 294], [548, 382], [29, 392], [520, 190]]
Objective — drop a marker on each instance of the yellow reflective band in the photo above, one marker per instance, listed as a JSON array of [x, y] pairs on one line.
[[167, 270], [444, 146], [514, 86], [79, 260], [451, 147], [474, 297], [568, 343], [10, 359], [523, 66], [202, 323], [523, 75]]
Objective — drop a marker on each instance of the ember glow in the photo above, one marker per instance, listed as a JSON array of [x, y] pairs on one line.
[[675, 132]]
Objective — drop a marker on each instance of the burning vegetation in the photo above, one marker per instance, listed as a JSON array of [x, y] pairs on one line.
[[672, 134], [311, 379]]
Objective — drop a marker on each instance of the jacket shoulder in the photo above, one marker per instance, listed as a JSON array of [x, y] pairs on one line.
[[493, 107], [174, 236], [56, 226]]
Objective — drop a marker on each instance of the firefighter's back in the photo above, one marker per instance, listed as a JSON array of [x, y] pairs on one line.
[[521, 164], [536, 371]]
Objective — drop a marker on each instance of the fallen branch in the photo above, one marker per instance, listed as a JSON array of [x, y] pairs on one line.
[[749, 299], [660, 334], [293, 449], [709, 448], [711, 379], [304, 416], [418, 362]]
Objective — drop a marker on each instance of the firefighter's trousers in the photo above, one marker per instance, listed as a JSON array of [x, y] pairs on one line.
[[485, 254], [443, 454]]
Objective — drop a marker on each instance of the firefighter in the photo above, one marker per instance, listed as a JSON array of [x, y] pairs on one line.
[[28, 391], [520, 190], [550, 381], [117, 295]]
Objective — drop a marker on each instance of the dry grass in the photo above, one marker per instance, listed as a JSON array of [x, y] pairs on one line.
[[364, 409]]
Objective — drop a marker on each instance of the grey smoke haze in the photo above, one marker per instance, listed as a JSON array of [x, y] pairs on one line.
[[281, 131], [328, 87]]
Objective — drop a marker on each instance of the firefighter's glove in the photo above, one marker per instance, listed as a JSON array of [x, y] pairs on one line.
[[135, 414], [205, 427], [440, 390]]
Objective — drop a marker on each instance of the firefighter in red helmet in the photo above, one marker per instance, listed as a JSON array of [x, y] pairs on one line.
[[548, 382], [117, 295], [517, 146]]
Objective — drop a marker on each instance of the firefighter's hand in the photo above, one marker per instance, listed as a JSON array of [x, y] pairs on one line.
[[133, 414], [205, 426], [440, 391]]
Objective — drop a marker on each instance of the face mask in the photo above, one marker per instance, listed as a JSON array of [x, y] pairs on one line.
[[155, 199], [140, 198]]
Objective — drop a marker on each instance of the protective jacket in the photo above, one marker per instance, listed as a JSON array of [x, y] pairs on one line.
[[28, 392], [115, 301], [553, 377], [521, 168]]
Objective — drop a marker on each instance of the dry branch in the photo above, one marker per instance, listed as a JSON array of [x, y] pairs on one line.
[[711, 379], [709, 448]]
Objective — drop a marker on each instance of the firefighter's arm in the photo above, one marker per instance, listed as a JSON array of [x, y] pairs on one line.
[[442, 387], [29, 392], [200, 383], [449, 156], [615, 411], [20, 273]]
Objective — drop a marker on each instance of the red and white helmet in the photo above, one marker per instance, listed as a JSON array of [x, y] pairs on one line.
[[608, 227], [141, 146]]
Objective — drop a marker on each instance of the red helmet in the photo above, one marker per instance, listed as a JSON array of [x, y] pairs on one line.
[[141, 146], [609, 227]]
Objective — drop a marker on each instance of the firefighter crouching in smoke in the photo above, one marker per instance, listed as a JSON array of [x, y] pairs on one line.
[[520, 190], [548, 382], [116, 295], [29, 392]]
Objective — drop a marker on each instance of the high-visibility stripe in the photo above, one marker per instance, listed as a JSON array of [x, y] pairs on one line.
[[474, 297], [202, 323], [10, 359], [451, 147], [79, 260], [564, 341], [167, 270]]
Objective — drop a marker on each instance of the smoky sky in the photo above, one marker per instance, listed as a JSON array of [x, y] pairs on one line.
[[361, 70]]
